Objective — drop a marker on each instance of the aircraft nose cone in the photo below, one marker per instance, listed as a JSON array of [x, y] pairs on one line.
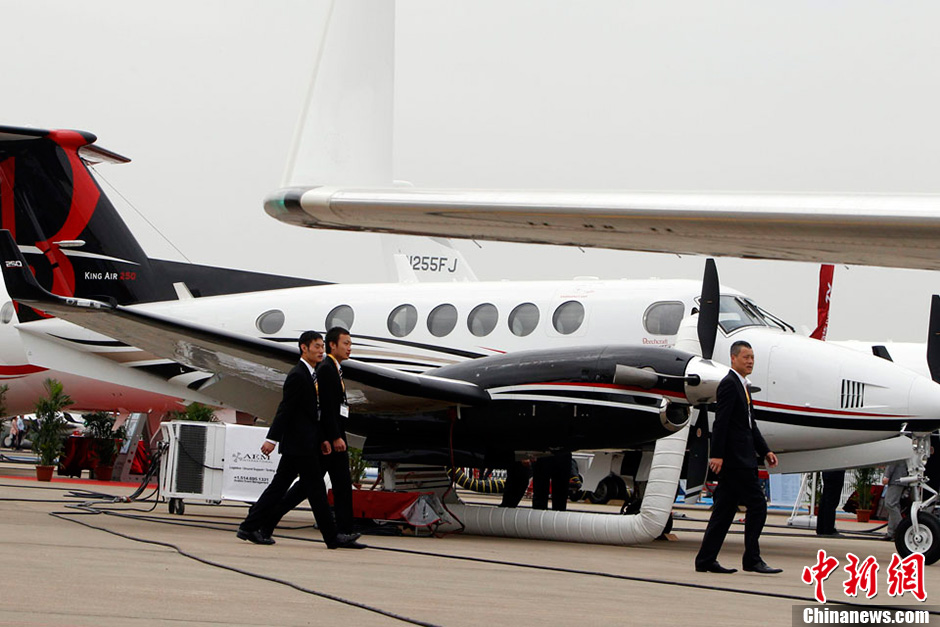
[[924, 405]]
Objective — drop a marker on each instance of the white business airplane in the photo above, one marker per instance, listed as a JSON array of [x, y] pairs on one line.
[[541, 357], [481, 372], [476, 373]]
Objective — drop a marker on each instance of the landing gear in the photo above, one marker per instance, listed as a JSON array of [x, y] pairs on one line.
[[921, 532], [925, 538], [177, 506], [609, 488]]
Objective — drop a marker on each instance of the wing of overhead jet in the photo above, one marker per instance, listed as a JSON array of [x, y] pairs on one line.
[[243, 365], [880, 230]]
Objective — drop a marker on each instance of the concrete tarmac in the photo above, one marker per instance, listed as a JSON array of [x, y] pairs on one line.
[[72, 568]]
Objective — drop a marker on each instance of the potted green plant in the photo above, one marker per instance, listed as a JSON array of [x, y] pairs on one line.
[[862, 482], [47, 437], [357, 466], [195, 412], [99, 426], [816, 496]]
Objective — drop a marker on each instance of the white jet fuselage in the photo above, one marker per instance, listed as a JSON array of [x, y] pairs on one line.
[[812, 394]]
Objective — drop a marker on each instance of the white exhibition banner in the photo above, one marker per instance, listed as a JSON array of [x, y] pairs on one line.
[[246, 472]]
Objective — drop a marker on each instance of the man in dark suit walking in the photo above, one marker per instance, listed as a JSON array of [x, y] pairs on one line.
[[334, 410], [735, 448], [296, 428]]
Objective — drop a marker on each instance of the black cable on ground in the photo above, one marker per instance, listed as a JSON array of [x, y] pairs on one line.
[[558, 569], [284, 582], [480, 560]]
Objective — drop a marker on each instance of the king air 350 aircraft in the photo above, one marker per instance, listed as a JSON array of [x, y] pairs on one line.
[[480, 373]]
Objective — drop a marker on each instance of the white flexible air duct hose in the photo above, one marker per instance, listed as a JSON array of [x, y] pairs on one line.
[[585, 527]]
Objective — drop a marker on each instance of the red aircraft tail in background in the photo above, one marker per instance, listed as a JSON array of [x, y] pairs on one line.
[[822, 304]]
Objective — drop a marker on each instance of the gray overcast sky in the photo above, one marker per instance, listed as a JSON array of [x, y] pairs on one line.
[[789, 96]]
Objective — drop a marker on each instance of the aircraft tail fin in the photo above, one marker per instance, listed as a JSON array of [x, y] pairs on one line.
[[73, 238], [426, 259], [826, 271]]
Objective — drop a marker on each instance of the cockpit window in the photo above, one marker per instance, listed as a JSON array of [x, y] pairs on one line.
[[770, 319], [663, 318], [734, 313]]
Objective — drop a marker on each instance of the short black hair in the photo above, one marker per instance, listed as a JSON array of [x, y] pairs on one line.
[[333, 335], [737, 346], [307, 338]]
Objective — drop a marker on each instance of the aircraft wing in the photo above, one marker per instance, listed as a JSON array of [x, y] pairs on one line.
[[253, 361], [879, 230]]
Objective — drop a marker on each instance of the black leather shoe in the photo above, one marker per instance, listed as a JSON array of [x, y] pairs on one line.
[[348, 541], [763, 568], [715, 567], [345, 541], [255, 537]]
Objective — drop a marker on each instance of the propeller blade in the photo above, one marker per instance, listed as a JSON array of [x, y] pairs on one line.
[[708, 310], [933, 339], [697, 469]]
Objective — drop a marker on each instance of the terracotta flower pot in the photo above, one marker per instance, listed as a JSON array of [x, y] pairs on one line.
[[44, 473], [862, 515]]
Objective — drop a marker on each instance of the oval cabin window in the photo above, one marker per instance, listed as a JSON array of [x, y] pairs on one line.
[[442, 320], [270, 322], [568, 317], [341, 316], [523, 319], [482, 319], [402, 320]]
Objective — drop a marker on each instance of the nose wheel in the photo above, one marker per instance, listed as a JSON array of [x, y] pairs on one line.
[[922, 538], [920, 533]]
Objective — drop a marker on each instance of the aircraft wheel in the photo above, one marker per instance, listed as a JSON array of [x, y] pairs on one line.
[[177, 506], [622, 491], [606, 490], [926, 542]]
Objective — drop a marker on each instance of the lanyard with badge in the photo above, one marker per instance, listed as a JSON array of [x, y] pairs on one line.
[[344, 406], [750, 416]]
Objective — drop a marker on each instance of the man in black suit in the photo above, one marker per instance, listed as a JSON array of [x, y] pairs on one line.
[[334, 410], [831, 495], [735, 448], [295, 427], [554, 471]]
